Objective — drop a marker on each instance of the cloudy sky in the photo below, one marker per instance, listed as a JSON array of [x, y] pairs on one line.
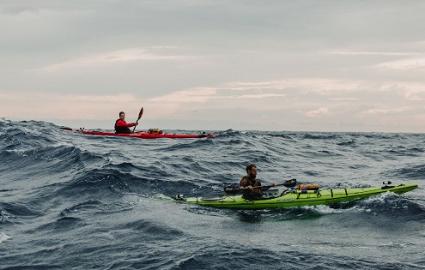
[[264, 65]]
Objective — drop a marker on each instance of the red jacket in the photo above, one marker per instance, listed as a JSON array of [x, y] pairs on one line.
[[122, 123], [122, 126]]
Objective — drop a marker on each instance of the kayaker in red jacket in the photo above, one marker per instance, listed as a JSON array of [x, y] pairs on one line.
[[121, 126]]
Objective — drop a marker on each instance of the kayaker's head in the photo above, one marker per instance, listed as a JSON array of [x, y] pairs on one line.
[[251, 171], [122, 115]]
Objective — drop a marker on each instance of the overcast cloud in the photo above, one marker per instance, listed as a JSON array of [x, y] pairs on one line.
[[270, 65]]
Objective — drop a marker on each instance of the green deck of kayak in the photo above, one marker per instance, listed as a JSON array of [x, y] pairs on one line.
[[295, 199]]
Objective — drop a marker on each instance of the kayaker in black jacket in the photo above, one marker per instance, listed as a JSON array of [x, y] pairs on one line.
[[250, 184]]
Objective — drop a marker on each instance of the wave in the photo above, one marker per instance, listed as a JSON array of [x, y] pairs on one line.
[[351, 142], [4, 237], [153, 229], [320, 136], [231, 259], [410, 172], [62, 224], [184, 146], [393, 206], [16, 209]]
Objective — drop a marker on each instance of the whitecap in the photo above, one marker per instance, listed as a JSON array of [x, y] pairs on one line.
[[3, 237]]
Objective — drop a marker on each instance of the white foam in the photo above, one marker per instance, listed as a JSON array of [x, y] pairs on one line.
[[325, 209], [380, 197], [161, 196], [3, 237]]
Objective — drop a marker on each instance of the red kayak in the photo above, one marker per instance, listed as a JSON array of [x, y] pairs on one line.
[[147, 135]]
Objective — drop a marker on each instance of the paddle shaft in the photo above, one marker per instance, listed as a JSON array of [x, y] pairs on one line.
[[264, 187]]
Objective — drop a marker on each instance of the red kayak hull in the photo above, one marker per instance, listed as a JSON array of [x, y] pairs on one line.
[[147, 135]]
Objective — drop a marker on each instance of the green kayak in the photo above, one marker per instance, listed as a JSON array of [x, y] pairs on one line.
[[296, 198]]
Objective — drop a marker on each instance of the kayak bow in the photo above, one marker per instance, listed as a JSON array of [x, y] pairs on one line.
[[297, 198]]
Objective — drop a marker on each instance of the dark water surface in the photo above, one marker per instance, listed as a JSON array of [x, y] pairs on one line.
[[69, 201]]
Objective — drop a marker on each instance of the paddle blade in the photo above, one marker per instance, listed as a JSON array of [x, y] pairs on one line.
[[140, 114], [138, 118]]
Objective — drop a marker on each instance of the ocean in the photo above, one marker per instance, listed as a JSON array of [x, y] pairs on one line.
[[70, 201]]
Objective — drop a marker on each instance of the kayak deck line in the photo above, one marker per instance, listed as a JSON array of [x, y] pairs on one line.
[[295, 198]]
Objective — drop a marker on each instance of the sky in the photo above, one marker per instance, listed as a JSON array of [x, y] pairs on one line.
[[210, 65]]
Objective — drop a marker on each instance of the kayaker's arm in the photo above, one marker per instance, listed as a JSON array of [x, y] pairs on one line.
[[247, 186], [250, 188], [243, 182], [122, 123], [132, 124]]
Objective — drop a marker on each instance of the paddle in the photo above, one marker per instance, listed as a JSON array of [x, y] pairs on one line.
[[270, 186], [140, 116], [236, 188]]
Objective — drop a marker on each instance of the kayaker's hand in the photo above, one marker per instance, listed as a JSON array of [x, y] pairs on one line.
[[136, 124]]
